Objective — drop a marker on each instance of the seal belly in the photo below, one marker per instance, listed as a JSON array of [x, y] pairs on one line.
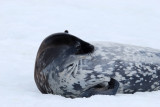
[[138, 77]]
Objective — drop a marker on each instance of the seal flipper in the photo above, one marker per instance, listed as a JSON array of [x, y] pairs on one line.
[[110, 90]]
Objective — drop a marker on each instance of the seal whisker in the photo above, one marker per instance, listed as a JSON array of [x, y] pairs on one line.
[[75, 70]]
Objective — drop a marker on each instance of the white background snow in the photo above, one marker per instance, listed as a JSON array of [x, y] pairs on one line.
[[25, 23]]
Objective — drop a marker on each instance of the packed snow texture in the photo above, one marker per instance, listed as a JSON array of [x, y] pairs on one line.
[[25, 23]]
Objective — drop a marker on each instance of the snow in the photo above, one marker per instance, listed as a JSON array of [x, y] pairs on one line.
[[25, 23]]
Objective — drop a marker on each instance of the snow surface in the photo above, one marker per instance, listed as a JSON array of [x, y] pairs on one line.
[[25, 23]]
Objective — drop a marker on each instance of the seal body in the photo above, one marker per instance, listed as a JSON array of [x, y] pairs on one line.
[[135, 68], [68, 66]]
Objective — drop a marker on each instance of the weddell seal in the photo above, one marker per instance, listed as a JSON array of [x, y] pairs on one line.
[[68, 66]]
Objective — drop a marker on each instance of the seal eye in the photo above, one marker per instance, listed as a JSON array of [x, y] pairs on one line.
[[78, 46]]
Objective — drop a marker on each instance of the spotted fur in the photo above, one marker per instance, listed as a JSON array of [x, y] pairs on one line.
[[71, 67]]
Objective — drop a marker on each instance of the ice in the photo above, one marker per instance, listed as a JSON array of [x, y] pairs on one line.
[[25, 23]]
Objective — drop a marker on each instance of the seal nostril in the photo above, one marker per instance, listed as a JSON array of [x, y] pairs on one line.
[[91, 48]]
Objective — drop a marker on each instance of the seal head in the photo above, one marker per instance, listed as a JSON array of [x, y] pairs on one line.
[[57, 61], [58, 68]]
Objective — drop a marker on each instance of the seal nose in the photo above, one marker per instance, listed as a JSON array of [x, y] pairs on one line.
[[88, 49], [91, 48]]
